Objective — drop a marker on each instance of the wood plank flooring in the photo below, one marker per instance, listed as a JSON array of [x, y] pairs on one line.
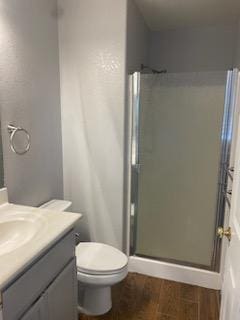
[[141, 297]]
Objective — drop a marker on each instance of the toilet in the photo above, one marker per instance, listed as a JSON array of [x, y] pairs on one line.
[[99, 267]]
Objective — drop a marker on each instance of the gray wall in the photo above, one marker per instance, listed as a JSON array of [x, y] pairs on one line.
[[30, 97], [193, 49], [138, 39], [92, 36], [237, 48], [1, 162], [208, 48]]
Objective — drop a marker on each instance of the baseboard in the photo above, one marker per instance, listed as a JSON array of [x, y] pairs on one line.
[[174, 272]]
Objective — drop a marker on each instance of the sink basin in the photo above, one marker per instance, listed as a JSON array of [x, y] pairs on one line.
[[18, 229]]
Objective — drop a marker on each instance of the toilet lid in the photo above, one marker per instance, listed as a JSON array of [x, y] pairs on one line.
[[99, 258]]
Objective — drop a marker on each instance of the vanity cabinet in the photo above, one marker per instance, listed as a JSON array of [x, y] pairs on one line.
[[38, 311], [58, 302], [61, 295], [47, 290]]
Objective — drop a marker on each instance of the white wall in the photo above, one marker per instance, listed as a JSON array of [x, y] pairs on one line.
[[30, 97], [138, 39], [92, 37], [193, 49]]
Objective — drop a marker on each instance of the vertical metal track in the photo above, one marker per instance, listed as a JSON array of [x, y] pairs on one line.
[[226, 140], [135, 165]]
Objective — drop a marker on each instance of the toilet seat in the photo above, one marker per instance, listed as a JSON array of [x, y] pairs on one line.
[[99, 259], [97, 280]]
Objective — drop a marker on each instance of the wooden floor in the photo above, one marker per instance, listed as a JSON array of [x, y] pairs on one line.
[[141, 297]]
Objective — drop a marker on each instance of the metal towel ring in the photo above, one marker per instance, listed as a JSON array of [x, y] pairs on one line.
[[12, 131]]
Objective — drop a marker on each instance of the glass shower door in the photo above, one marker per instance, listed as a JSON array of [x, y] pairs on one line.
[[176, 157]]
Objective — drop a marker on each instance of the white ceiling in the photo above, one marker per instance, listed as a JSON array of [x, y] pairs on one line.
[[171, 14]]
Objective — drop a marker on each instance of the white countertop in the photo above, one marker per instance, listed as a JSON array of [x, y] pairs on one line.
[[56, 225]]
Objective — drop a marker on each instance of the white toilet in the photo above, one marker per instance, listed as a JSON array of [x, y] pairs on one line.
[[99, 266]]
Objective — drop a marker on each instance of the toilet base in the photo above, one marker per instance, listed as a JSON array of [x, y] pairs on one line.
[[94, 291], [94, 301]]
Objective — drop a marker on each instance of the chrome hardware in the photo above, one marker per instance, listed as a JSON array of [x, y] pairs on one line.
[[12, 131], [227, 200], [224, 233], [230, 172], [136, 167], [77, 238]]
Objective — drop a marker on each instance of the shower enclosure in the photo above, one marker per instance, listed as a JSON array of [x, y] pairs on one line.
[[181, 137]]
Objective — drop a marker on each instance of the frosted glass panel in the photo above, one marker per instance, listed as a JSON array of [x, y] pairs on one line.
[[180, 146]]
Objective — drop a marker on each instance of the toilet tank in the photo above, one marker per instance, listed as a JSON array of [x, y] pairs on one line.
[[58, 205], [64, 205]]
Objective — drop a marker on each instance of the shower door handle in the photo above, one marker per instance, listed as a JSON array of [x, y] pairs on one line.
[[134, 182]]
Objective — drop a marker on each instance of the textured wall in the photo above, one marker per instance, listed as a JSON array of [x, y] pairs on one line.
[[92, 36], [138, 39], [30, 97], [193, 49]]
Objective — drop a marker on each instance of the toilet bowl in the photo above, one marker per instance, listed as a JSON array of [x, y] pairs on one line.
[[99, 267]]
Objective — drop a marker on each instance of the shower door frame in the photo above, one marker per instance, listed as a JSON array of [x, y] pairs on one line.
[[222, 195]]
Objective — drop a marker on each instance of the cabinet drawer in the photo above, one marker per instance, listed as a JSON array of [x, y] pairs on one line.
[[25, 290]]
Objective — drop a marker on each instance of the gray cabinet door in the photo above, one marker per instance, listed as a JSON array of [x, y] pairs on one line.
[[35, 280], [38, 311], [62, 295]]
